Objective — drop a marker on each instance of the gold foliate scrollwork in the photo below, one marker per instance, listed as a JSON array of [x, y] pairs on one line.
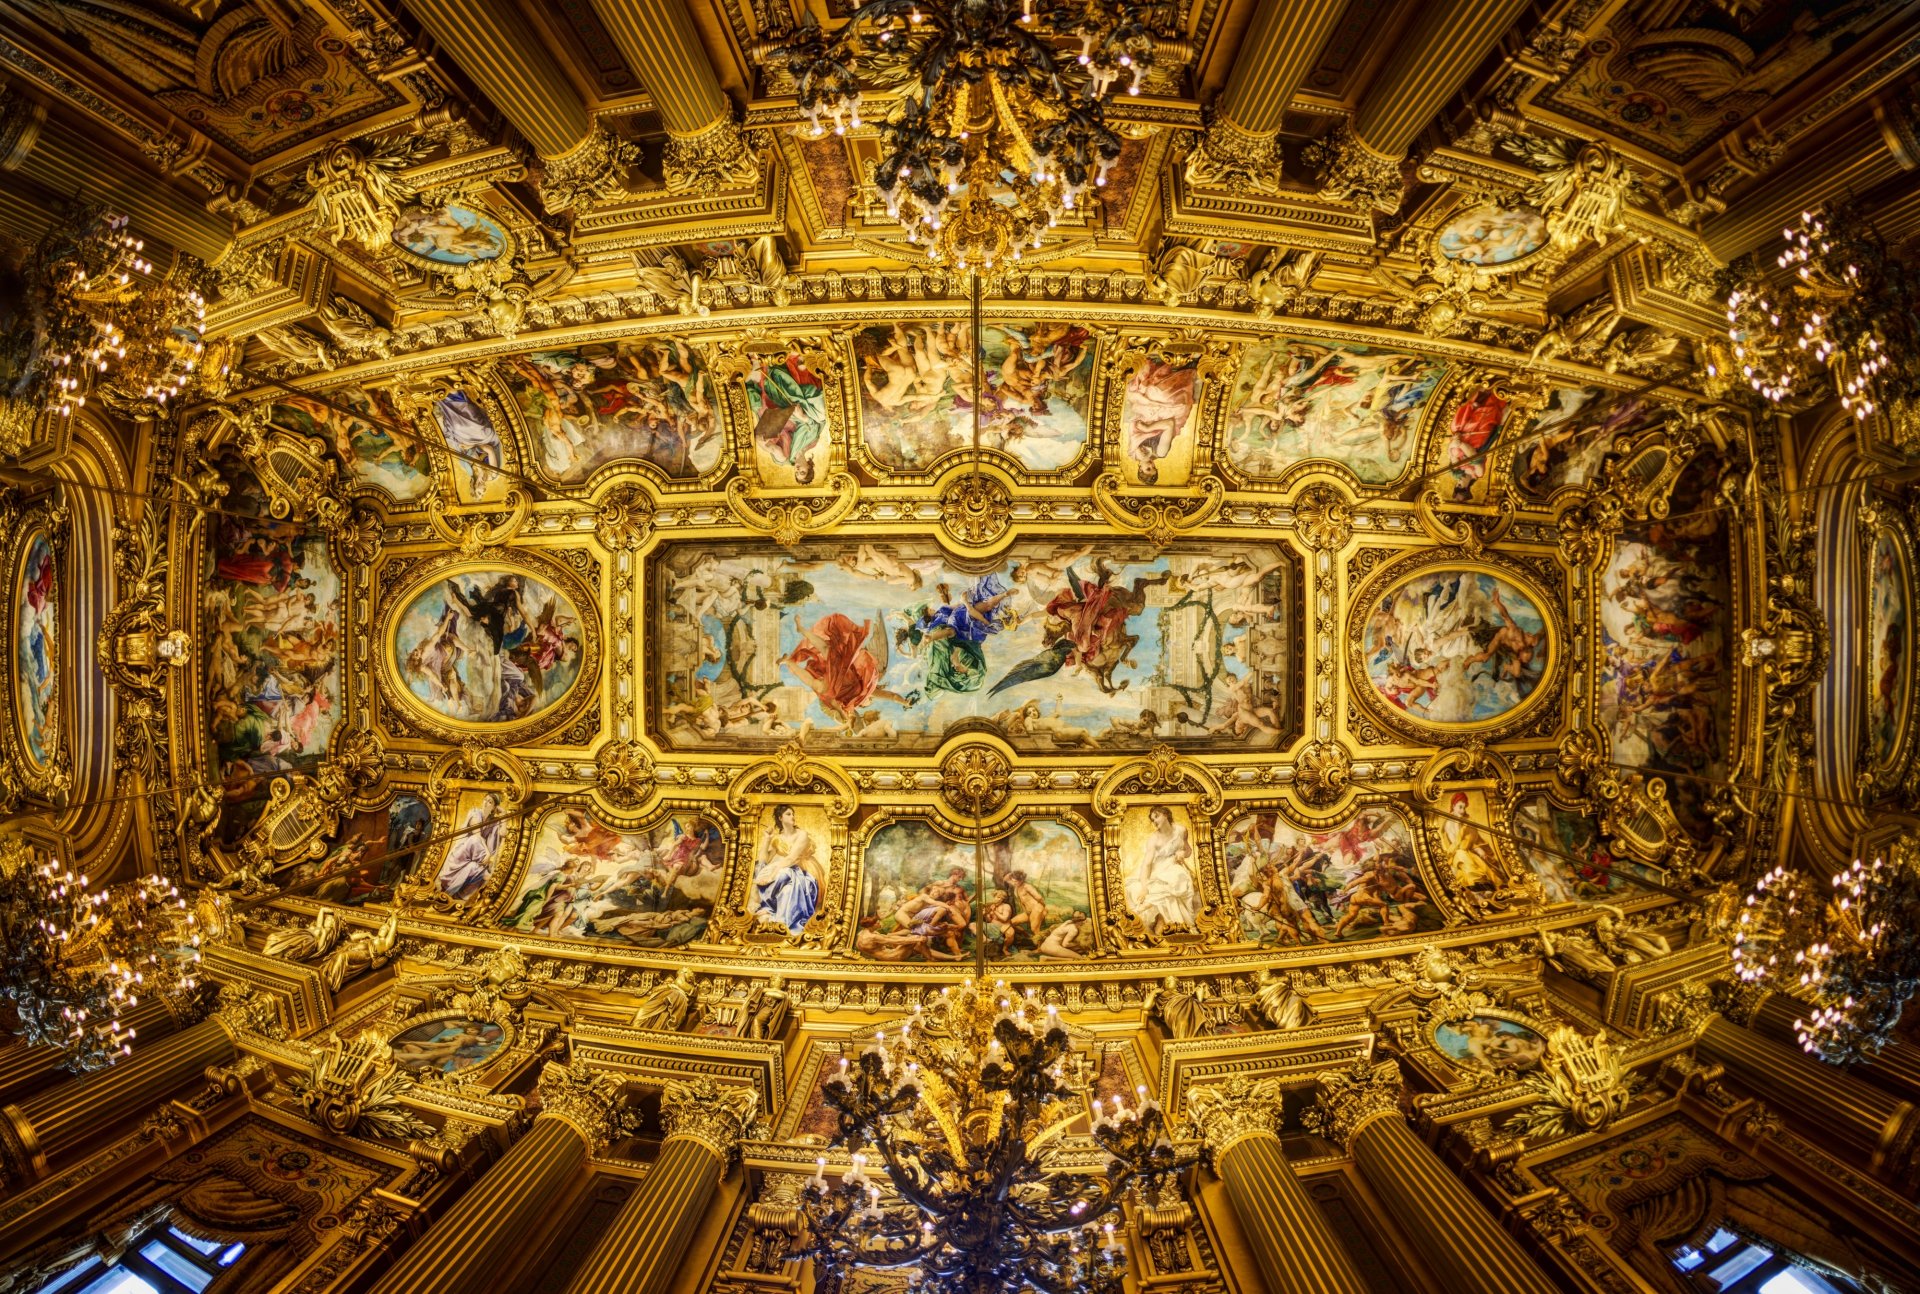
[[1160, 771], [717, 1115], [297, 822], [1229, 1112], [1350, 1099], [791, 771], [357, 1088], [791, 520], [593, 1102], [135, 649], [1161, 517], [974, 779], [1581, 1086], [472, 534]]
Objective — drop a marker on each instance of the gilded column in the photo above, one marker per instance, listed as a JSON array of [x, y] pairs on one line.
[[25, 1070], [475, 1245], [1448, 39], [496, 45], [46, 1127], [641, 1252], [1896, 1069], [1828, 1102], [705, 152], [1239, 151], [1299, 1253], [60, 161], [1468, 1251]]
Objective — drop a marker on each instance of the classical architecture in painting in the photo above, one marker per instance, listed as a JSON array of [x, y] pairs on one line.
[[959, 647]]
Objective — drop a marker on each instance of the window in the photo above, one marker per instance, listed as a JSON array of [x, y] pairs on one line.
[[1737, 1266], [163, 1261]]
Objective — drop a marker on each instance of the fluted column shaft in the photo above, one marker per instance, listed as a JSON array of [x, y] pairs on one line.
[[641, 1252], [1896, 1069], [658, 39], [1299, 1253], [1855, 163], [53, 156], [495, 44], [474, 1245], [1276, 53], [45, 1127], [1832, 1103], [1428, 66], [1468, 1252], [25, 1070]]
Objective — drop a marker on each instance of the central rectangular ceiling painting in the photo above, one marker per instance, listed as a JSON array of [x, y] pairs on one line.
[[888, 645]]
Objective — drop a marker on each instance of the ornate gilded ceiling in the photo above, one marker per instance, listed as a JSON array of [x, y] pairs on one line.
[[597, 528]]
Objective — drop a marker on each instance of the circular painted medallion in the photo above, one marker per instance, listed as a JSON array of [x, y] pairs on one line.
[[1454, 646], [1491, 1042], [488, 646], [1492, 236], [36, 650], [450, 235]]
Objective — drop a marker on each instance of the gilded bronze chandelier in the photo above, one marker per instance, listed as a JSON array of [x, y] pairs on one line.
[[963, 1107], [1837, 304], [75, 960], [1000, 129], [1850, 954]]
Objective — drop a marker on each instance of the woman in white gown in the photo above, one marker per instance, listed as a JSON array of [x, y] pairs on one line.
[[1160, 886], [470, 857]]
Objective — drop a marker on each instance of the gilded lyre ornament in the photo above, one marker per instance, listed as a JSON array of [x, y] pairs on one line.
[[355, 190], [355, 1087], [963, 1104], [297, 821], [1581, 1086]]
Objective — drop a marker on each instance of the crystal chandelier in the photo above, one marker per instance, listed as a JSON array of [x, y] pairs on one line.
[[96, 327], [1844, 312], [961, 1106], [1000, 129], [74, 960], [1849, 954]]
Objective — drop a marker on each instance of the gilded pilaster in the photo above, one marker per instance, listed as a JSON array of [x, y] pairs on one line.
[[1429, 64], [1238, 150], [57, 159], [705, 151], [25, 1070], [511, 1209], [1467, 1249], [47, 1127], [1829, 1103], [1299, 1253], [1856, 162], [641, 1252], [496, 45]]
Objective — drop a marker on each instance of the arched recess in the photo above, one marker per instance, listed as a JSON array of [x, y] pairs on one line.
[[98, 487], [1838, 475]]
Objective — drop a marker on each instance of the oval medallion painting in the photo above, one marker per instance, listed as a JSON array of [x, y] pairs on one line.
[[1493, 236], [1451, 646], [1490, 1042], [485, 647], [447, 1045], [450, 235], [36, 650]]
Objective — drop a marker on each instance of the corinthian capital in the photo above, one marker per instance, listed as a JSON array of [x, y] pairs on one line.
[[1239, 161], [715, 160], [589, 173], [1352, 172], [714, 1114], [590, 1101], [1230, 1112], [1352, 1098]]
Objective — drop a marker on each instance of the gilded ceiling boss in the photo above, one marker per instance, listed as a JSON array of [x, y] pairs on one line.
[[966, 646]]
